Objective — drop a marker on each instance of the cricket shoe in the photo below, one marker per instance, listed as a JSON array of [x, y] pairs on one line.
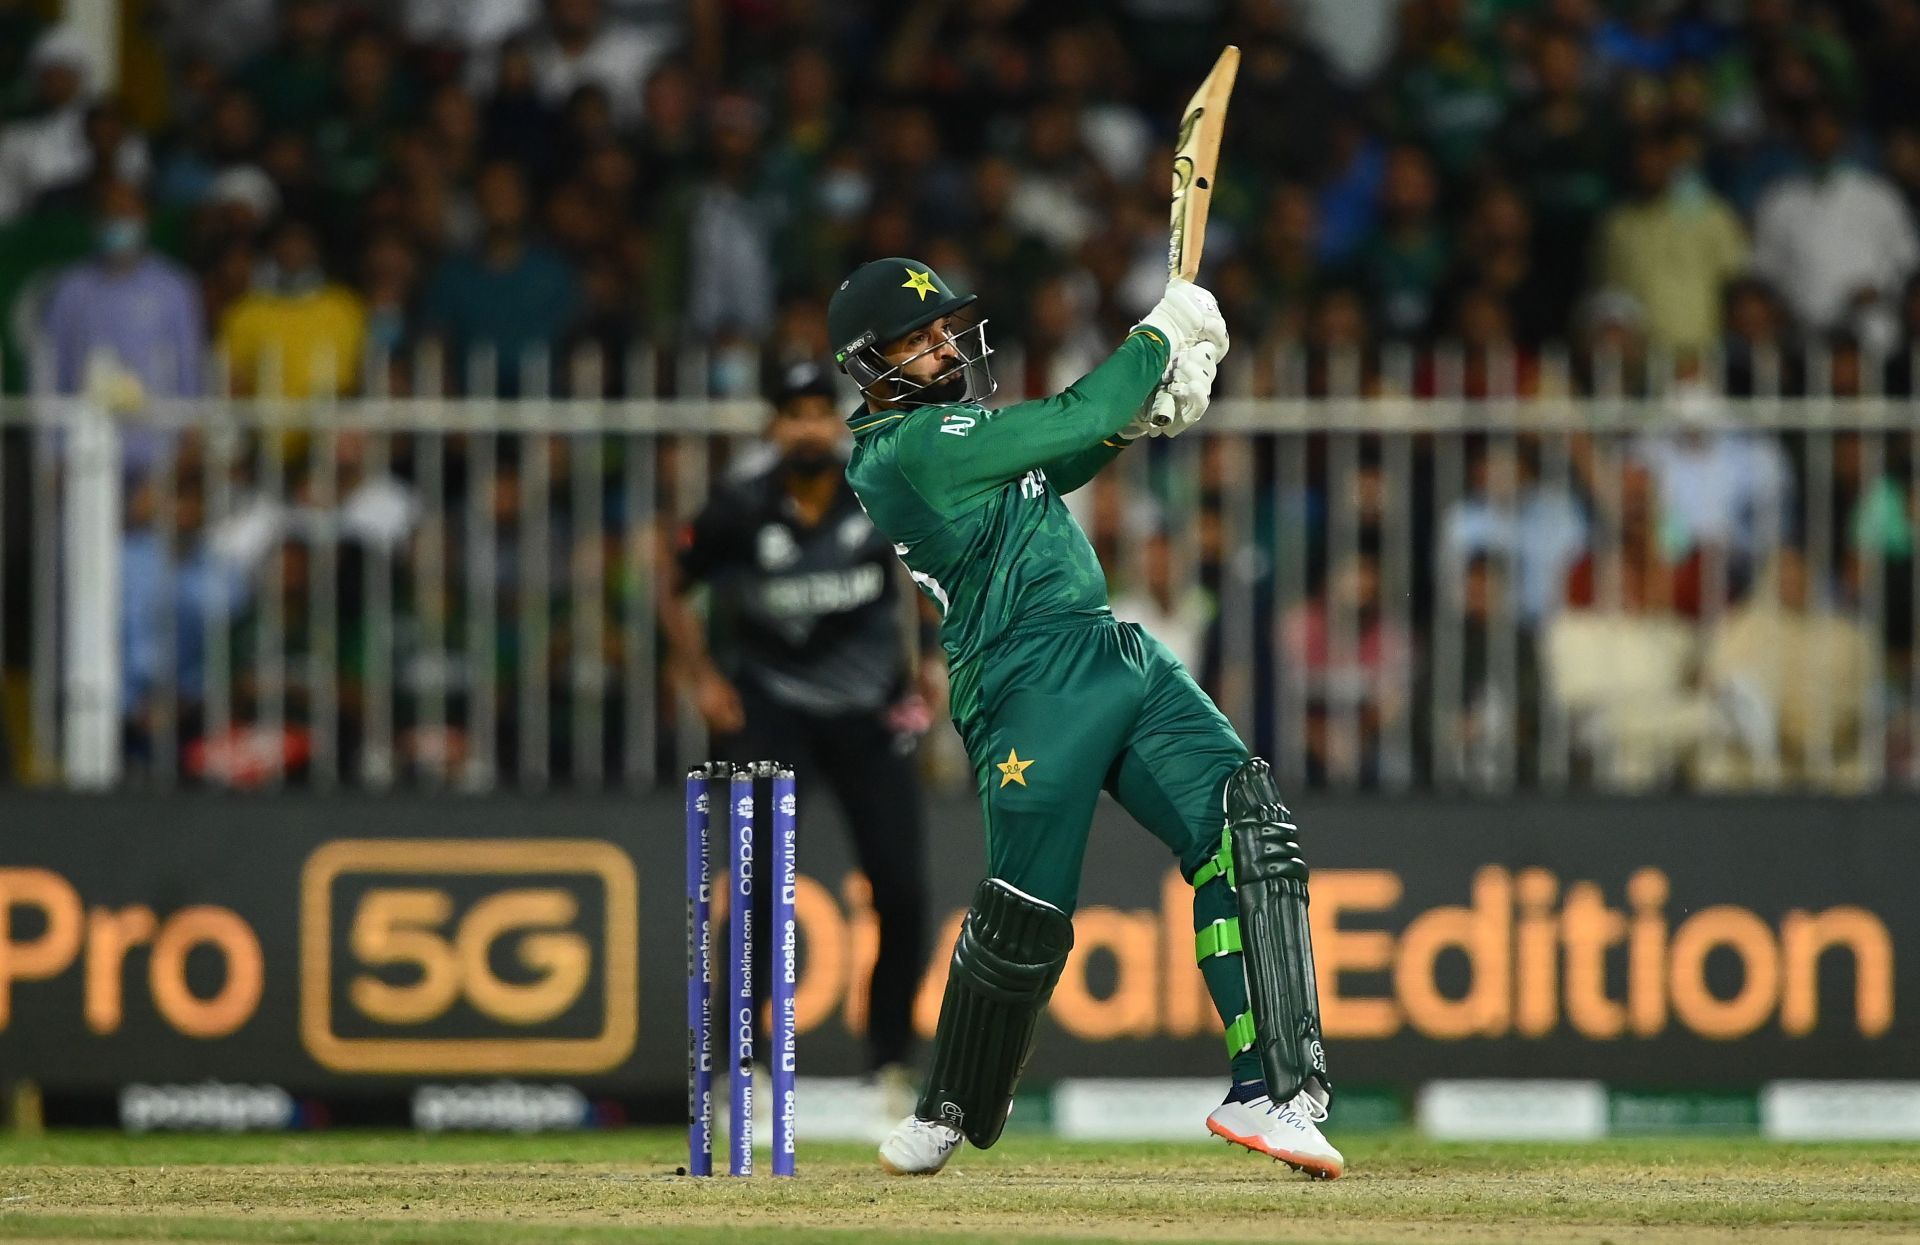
[[1286, 1131], [918, 1147]]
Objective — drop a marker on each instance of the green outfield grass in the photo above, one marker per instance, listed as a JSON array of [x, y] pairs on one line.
[[593, 1188]]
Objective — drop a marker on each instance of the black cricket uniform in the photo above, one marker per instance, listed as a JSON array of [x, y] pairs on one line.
[[807, 625]]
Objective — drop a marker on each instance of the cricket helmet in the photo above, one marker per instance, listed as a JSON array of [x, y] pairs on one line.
[[884, 301]]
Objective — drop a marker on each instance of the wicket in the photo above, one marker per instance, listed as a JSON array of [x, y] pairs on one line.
[[701, 1014]]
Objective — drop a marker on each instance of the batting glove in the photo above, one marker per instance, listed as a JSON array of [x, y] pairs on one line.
[[1188, 314], [1179, 404]]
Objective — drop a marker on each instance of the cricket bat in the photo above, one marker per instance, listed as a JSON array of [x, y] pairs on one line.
[[1196, 155]]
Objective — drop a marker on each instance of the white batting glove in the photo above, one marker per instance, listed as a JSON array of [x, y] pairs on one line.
[[1179, 404], [1188, 314]]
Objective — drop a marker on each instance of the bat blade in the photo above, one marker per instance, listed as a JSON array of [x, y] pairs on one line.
[[1196, 157]]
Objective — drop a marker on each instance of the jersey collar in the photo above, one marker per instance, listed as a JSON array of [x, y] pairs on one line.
[[863, 421]]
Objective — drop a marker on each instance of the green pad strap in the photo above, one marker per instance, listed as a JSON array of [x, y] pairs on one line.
[[1240, 1033], [1222, 863], [1220, 938]]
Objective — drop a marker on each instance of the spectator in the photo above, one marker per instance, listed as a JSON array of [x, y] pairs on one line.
[[1622, 661], [729, 266], [1079, 71], [1059, 182], [1634, 570], [1450, 87], [113, 154], [669, 148], [1754, 348], [295, 334], [1286, 255], [1353, 665], [1404, 264], [1798, 679], [510, 295], [517, 124], [1350, 196], [1495, 251], [219, 33], [1673, 245], [1281, 75], [1061, 342], [1560, 146], [127, 322], [369, 105], [1836, 240], [468, 27], [175, 589], [390, 281], [226, 136], [293, 79], [48, 146], [1720, 488], [575, 45], [1535, 529], [1490, 736], [1179, 619]]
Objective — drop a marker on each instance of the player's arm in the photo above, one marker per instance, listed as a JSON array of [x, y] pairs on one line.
[[702, 549], [1176, 406], [1073, 470], [967, 453]]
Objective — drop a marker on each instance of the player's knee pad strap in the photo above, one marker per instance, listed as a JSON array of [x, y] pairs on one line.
[[1005, 964], [1270, 885]]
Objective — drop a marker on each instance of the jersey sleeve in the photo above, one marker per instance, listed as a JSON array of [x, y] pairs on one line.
[[711, 542], [1070, 471], [967, 453]]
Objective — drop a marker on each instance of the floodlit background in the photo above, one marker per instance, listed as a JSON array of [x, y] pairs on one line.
[[363, 363]]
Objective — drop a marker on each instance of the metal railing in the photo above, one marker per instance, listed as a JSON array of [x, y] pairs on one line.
[[1395, 570]]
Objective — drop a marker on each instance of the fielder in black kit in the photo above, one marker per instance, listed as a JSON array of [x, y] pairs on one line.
[[812, 667]]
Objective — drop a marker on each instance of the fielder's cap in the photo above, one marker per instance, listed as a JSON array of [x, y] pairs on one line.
[[802, 380]]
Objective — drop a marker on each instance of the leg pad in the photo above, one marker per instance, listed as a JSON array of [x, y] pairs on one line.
[[1005, 965], [1270, 885]]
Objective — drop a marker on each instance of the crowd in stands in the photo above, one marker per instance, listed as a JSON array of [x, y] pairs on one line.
[[1698, 201]]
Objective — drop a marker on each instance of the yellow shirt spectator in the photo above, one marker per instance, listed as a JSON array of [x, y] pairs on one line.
[[1673, 248], [296, 335], [295, 345]]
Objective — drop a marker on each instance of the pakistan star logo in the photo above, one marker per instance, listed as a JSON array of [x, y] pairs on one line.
[[921, 281], [1013, 769]]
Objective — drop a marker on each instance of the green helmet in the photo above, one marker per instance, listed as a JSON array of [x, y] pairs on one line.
[[881, 303]]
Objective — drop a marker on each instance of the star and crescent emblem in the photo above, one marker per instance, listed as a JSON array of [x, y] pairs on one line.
[[921, 282], [1013, 769]]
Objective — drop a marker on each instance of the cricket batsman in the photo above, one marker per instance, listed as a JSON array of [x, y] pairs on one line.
[[1057, 700]]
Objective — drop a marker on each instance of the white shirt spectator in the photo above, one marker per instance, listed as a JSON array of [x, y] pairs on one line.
[[1720, 488], [618, 60], [38, 154], [1821, 240], [1542, 535], [476, 25]]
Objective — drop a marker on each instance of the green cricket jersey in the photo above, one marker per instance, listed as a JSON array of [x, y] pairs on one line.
[[973, 501]]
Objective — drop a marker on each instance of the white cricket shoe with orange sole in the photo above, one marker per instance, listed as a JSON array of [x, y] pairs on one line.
[[918, 1147], [1286, 1131]]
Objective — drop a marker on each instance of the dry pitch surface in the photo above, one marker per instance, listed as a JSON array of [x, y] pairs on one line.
[[601, 1188]]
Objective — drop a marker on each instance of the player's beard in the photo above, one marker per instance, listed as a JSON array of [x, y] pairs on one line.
[[942, 392]]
